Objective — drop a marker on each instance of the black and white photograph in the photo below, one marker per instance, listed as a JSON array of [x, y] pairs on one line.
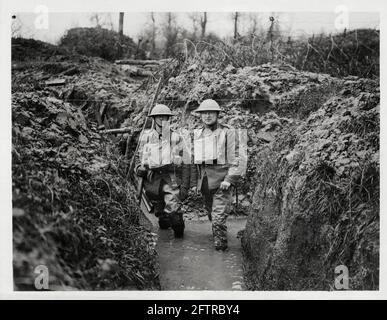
[[195, 151]]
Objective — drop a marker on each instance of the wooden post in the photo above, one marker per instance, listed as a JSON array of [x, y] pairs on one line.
[[120, 33], [203, 24], [236, 15]]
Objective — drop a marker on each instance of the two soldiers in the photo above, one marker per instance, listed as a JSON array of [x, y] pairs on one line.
[[215, 171]]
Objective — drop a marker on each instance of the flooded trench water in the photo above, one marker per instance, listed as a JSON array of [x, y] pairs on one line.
[[192, 263]]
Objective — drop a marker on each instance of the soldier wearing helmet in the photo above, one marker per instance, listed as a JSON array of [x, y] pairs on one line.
[[159, 163], [216, 168]]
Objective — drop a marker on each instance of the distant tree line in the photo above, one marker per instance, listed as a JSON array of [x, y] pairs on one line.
[[254, 40]]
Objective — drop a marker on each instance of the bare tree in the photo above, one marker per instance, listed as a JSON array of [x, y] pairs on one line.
[[153, 38], [198, 20], [19, 29], [253, 24], [274, 31], [101, 20], [149, 36], [96, 19], [16, 27], [203, 24], [120, 33], [109, 21], [195, 21], [121, 24], [235, 18], [171, 33]]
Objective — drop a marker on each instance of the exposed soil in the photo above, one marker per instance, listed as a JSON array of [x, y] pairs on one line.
[[311, 190]]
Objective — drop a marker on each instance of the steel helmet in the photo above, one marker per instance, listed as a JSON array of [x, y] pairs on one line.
[[160, 110], [208, 105]]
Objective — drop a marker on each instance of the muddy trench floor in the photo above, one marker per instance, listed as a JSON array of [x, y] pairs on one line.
[[192, 263]]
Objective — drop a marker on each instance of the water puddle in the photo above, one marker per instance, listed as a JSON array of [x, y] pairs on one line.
[[192, 263]]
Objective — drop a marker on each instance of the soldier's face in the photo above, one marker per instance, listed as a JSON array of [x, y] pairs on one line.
[[209, 117], [160, 119]]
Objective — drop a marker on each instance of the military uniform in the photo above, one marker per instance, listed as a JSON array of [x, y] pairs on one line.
[[165, 183], [210, 174]]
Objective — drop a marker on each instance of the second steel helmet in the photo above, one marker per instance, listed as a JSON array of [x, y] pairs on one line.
[[160, 110], [208, 105]]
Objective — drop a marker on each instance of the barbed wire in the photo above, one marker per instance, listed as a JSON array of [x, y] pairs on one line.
[[268, 47], [162, 100]]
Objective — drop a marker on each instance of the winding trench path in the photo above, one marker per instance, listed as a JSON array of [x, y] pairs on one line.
[[192, 263]]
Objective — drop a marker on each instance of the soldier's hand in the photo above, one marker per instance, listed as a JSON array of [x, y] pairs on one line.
[[177, 160], [142, 172], [225, 185], [194, 190]]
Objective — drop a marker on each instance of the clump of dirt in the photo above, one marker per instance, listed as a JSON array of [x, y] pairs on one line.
[[103, 91], [31, 49], [255, 90], [316, 201], [312, 182], [252, 98], [73, 209]]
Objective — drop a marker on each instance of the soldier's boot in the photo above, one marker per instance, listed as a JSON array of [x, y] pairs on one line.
[[158, 208], [164, 221], [220, 209], [221, 246], [177, 224], [219, 233]]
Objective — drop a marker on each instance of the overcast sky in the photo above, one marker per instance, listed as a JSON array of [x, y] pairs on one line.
[[292, 23]]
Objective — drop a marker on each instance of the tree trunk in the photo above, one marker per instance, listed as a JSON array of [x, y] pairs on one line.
[[236, 16], [153, 43], [121, 24], [120, 33], [170, 36], [203, 24]]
